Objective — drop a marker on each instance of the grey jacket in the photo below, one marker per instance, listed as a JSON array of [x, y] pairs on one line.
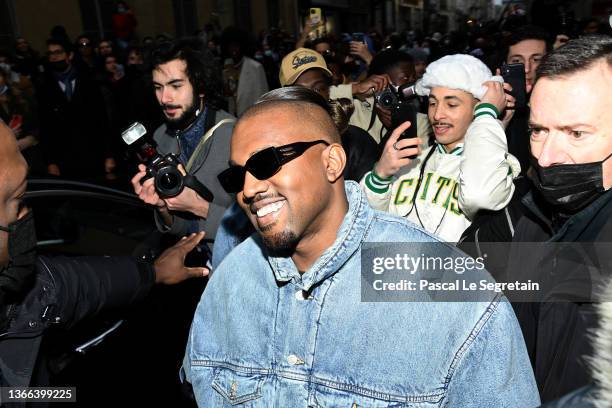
[[213, 159]]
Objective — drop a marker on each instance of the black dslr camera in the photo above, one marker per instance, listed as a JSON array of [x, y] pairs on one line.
[[168, 179], [398, 101]]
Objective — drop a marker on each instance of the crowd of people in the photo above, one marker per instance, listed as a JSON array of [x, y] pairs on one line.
[[295, 154]]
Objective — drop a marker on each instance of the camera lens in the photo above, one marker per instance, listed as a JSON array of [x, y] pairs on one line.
[[168, 181], [386, 101]]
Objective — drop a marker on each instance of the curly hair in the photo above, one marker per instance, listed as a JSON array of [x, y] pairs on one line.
[[202, 71]]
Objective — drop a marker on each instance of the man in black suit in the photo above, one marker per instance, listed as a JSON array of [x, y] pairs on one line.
[[74, 126]]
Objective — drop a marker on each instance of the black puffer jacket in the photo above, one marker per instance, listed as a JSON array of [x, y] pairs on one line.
[[66, 291], [557, 331]]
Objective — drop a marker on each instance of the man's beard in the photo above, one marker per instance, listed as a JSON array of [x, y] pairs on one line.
[[281, 244], [186, 118]]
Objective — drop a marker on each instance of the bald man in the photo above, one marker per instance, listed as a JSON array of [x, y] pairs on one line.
[[282, 323], [37, 293]]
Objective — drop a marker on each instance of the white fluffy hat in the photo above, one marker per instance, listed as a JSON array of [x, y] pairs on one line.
[[459, 71]]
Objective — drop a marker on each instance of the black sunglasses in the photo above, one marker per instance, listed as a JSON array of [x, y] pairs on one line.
[[263, 164]]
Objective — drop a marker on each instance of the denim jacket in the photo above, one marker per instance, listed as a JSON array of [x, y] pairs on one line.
[[265, 336]]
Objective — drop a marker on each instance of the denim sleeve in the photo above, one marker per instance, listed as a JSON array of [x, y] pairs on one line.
[[495, 370]]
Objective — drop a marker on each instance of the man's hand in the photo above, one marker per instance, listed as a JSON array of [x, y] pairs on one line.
[[189, 201], [384, 115], [397, 152], [146, 191], [309, 27], [374, 83], [361, 49], [510, 106], [53, 169], [495, 95], [27, 141], [170, 265]]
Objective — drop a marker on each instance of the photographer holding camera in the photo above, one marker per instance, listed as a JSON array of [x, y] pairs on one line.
[[197, 136], [42, 294], [443, 186], [389, 70]]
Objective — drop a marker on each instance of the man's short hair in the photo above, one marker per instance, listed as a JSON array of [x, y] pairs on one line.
[[64, 44], [529, 32], [575, 56], [302, 100], [386, 60], [204, 75]]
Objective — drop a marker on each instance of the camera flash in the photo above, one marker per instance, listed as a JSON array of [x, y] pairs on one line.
[[133, 133]]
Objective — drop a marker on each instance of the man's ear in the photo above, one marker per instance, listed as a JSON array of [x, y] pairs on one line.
[[334, 159]]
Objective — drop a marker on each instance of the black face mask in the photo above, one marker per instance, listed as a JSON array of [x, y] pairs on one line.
[[59, 66], [18, 275], [569, 187]]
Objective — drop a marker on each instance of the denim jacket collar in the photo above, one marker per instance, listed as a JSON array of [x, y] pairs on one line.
[[348, 240]]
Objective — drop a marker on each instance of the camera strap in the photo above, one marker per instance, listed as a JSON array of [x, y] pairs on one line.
[[194, 184], [373, 116], [204, 138]]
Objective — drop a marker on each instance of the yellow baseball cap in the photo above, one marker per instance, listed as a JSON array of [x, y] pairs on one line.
[[297, 62]]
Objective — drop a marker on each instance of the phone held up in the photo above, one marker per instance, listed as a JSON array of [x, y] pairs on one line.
[[514, 74], [316, 17]]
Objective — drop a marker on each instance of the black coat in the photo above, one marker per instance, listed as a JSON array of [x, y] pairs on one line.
[[361, 153], [66, 291], [558, 334], [75, 134]]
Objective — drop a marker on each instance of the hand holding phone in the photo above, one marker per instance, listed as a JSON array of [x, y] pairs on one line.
[[316, 18], [514, 74]]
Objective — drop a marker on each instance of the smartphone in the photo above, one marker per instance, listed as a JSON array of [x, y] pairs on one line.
[[514, 74], [401, 113], [316, 17]]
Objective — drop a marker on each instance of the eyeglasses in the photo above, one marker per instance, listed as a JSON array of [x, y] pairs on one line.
[[263, 164]]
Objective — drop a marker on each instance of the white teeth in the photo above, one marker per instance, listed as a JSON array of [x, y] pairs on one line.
[[270, 208]]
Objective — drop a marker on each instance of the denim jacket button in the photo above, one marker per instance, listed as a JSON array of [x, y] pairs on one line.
[[294, 360]]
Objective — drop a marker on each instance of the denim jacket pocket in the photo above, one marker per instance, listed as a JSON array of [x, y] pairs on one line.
[[344, 396], [237, 389]]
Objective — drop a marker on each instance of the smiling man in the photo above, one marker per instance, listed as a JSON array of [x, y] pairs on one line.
[[282, 323], [187, 86], [466, 170]]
